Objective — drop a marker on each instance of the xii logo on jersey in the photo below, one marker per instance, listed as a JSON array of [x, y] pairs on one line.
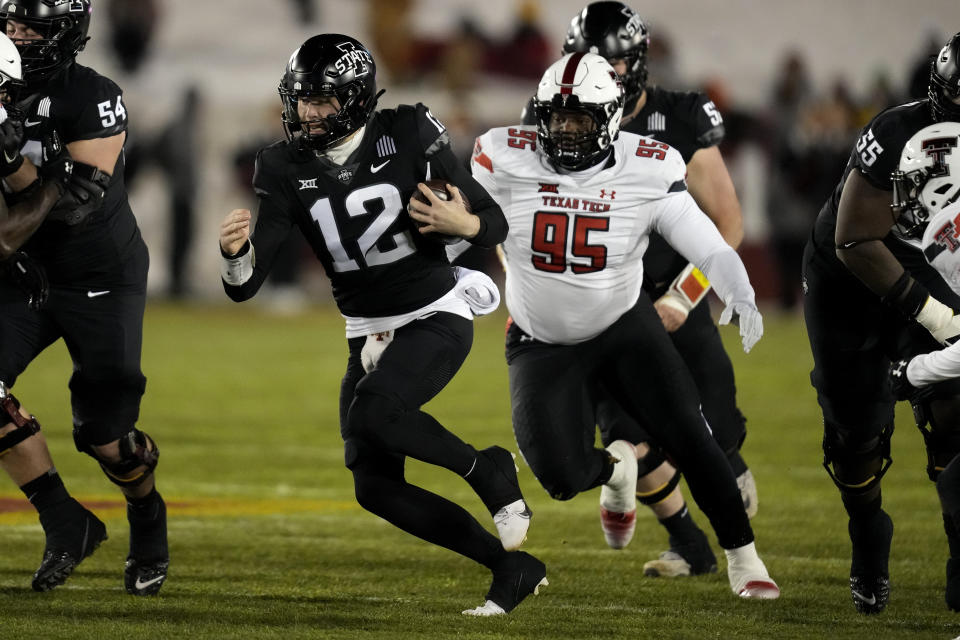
[[548, 188], [310, 183]]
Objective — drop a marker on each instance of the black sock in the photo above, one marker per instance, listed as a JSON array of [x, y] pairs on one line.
[[46, 492], [953, 534], [682, 529], [148, 526]]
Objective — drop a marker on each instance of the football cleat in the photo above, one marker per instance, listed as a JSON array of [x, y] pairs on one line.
[[870, 594], [144, 578], [618, 499], [674, 564], [748, 575], [748, 492], [514, 578], [869, 577], [66, 549]]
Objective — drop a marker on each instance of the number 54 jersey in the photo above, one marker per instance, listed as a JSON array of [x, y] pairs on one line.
[[576, 239]]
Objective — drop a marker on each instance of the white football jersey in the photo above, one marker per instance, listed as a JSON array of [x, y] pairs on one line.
[[576, 242]]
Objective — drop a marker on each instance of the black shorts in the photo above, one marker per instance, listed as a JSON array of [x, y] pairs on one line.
[[854, 337], [553, 390], [103, 332]]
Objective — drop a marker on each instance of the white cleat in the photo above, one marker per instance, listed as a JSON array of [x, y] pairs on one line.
[[748, 492], [748, 575], [512, 522], [618, 499], [488, 608]]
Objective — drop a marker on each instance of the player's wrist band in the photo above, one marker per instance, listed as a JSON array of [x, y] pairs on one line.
[[907, 295], [238, 268]]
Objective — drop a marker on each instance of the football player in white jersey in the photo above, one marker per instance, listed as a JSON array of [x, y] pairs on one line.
[[581, 199], [927, 194]]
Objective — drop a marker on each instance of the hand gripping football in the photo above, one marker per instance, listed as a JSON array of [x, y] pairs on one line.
[[439, 188]]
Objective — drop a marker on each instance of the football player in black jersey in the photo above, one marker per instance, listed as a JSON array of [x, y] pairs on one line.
[[871, 298], [689, 122], [345, 177], [95, 265]]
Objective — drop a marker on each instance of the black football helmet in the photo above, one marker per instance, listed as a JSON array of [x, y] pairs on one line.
[[62, 25], [944, 85], [333, 65], [613, 30]]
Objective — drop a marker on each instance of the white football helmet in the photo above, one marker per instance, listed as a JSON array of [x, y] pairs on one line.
[[927, 178], [941, 244], [11, 74], [583, 83]]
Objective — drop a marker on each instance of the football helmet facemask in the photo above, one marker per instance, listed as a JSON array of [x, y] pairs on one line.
[[329, 65], [62, 25], [927, 178], [614, 31], [579, 86], [944, 85]]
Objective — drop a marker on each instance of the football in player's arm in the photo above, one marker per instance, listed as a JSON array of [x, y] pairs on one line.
[[346, 176]]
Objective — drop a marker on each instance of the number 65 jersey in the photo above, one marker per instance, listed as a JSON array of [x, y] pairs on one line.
[[576, 240]]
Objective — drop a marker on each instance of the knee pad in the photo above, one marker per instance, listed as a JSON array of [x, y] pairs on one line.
[[10, 414], [936, 419], [139, 455], [857, 466]]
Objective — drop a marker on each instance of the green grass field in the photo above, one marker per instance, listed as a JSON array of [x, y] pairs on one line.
[[267, 541]]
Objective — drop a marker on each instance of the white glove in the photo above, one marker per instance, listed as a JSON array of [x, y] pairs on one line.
[[746, 316], [940, 321], [373, 348]]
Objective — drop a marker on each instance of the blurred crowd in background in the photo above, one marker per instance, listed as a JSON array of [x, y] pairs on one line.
[[785, 153]]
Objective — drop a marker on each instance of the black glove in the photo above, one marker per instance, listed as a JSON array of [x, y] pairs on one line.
[[900, 385], [30, 276], [57, 164], [11, 139]]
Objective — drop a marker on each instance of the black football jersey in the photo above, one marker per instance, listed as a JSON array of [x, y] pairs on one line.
[[875, 155], [105, 251], [354, 215], [687, 121]]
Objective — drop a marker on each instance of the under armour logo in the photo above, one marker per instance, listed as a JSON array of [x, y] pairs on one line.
[[308, 184], [603, 194]]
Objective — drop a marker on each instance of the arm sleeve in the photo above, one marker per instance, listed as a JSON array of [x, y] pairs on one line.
[[688, 230], [273, 225], [444, 164], [937, 366]]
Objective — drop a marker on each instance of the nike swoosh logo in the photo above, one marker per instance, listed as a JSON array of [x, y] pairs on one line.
[[859, 596], [8, 158], [376, 167], [96, 294], [144, 585], [31, 123], [10, 60]]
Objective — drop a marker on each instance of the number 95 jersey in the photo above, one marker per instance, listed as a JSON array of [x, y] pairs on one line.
[[576, 240]]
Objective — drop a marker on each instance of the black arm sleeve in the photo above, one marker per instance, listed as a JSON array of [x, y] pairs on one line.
[[493, 224]]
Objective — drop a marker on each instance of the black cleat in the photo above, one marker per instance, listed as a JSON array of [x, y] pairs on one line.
[[516, 576], [683, 560], [144, 578], [66, 549], [869, 576], [870, 595]]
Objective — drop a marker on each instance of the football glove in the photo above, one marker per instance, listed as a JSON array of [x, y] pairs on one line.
[[901, 386], [57, 164], [746, 316], [11, 139], [30, 276], [373, 348]]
